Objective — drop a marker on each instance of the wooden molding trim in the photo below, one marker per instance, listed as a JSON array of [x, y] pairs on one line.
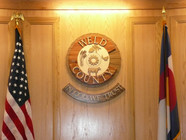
[[42, 20], [72, 4], [178, 19], [4, 20]]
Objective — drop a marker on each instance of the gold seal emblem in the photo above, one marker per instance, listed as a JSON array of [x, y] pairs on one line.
[[93, 59]]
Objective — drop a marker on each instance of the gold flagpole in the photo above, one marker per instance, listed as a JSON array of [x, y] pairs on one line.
[[17, 17], [164, 15], [165, 67]]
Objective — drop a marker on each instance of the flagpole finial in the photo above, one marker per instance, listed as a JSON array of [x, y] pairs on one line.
[[164, 15], [163, 10], [17, 17]]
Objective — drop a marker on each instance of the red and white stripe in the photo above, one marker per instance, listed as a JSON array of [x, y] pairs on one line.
[[164, 125], [17, 122], [162, 135]]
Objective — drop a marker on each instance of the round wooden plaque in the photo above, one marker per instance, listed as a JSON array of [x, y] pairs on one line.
[[93, 58]]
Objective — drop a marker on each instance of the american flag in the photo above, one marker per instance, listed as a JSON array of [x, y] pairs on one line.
[[17, 124], [168, 122]]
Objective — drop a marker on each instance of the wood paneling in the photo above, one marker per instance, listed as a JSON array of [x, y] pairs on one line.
[[41, 80], [5, 59], [47, 36], [81, 121], [145, 62], [39, 47], [3, 64], [178, 35]]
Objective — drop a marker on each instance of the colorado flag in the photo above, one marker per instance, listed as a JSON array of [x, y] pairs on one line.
[[168, 120]]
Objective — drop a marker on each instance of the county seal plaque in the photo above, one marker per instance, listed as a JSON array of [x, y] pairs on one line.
[[93, 59]]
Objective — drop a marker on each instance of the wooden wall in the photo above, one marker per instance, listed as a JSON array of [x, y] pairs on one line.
[[47, 36]]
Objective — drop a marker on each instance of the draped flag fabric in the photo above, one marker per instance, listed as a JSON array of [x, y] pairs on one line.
[[17, 124], [168, 121]]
